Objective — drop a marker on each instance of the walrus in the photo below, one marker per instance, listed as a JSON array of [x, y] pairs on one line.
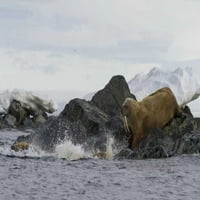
[[154, 111], [19, 146]]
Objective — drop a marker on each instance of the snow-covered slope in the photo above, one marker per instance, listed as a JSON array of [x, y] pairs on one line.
[[28, 99], [183, 82]]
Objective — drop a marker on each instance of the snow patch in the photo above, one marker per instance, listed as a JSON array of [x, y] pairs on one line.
[[182, 81], [28, 100]]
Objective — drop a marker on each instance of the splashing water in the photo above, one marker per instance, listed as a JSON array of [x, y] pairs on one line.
[[70, 151], [66, 149], [109, 148], [32, 152]]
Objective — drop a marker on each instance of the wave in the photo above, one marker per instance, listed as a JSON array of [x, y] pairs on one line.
[[65, 150], [70, 151], [183, 82]]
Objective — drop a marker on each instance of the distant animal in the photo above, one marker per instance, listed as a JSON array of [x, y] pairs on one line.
[[20, 146], [154, 111]]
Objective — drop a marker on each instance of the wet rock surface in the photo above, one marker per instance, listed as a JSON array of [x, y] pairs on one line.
[[180, 136], [21, 117], [91, 123]]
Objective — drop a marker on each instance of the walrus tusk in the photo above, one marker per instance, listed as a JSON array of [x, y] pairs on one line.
[[126, 124]]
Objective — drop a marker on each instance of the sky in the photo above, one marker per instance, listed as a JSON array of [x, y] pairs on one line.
[[78, 45]]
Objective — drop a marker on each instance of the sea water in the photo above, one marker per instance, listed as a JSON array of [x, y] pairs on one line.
[[72, 174]]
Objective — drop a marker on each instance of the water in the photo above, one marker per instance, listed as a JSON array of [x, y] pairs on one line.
[[38, 175]]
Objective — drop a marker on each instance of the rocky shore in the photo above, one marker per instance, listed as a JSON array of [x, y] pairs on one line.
[[92, 123]]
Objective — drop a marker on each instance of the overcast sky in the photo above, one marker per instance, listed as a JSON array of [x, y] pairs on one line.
[[79, 44]]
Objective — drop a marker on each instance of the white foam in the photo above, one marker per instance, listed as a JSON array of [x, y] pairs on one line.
[[32, 152], [70, 151], [109, 148], [28, 99]]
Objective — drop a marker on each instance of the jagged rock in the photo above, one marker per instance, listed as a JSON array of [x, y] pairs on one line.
[[15, 109], [180, 136], [198, 122], [22, 117], [91, 123], [88, 123], [40, 119], [90, 116], [10, 120], [110, 99], [189, 143], [20, 146], [3, 123]]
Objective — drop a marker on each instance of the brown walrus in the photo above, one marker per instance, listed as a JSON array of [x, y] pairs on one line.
[[154, 111]]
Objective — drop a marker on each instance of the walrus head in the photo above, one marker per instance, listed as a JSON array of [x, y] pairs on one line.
[[130, 109], [125, 113]]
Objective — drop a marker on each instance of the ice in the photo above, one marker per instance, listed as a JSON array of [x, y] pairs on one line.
[[183, 82]]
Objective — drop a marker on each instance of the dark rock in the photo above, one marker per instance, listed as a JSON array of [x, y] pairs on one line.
[[15, 109], [90, 116], [189, 143], [180, 136], [187, 112], [197, 120], [22, 138], [88, 123], [40, 119], [10, 120], [91, 123], [21, 116], [29, 123], [110, 99], [125, 153], [3, 123]]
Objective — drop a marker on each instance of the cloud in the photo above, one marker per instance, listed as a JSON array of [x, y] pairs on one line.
[[46, 71], [165, 29], [73, 44]]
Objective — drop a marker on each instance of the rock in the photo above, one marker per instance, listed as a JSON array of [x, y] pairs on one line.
[[125, 153], [10, 120], [3, 123], [187, 112], [20, 146], [91, 124], [198, 122], [110, 99], [90, 116], [22, 117], [29, 123], [15, 109], [189, 143], [88, 123], [180, 136], [40, 119]]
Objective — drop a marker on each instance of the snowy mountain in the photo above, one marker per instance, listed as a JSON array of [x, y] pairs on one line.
[[183, 82]]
